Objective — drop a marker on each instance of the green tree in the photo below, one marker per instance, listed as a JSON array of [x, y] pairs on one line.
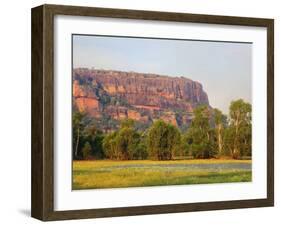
[[124, 144], [97, 142], [127, 140], [78, 125], [199, 137], [95, 137], [240, 128], [228, 137], [141, 151], [86, 151], [109, 146], [163, 141], [220, 121], [246, 141]]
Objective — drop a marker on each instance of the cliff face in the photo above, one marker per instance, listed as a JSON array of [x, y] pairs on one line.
[[117, 95]]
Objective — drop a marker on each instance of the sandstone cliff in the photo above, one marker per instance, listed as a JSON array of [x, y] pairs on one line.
[[110, 96]]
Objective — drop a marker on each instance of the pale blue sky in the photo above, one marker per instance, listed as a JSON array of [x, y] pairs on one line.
[[224, 69]]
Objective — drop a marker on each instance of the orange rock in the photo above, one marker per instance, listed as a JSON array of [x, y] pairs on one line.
[[85, 104], [138, 96]]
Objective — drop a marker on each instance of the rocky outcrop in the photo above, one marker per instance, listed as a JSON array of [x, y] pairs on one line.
[[143, 97]]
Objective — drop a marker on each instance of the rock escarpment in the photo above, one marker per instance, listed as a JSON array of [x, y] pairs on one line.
[[110, 96]]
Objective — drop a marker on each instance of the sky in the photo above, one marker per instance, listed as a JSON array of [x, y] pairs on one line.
[[223, 68]]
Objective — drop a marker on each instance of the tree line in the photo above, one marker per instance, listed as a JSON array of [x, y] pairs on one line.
[[211, 134]]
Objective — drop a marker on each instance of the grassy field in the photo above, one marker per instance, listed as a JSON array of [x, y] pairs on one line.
[[116, 174]]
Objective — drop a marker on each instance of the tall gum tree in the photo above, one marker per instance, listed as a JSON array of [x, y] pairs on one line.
[[240, 118], [220, 123]]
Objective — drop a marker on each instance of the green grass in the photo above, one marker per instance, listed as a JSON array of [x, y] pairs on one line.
[[117, 174]]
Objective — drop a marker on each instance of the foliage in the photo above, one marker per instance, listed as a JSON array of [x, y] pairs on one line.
[[163, 141], [124, 144], [109, 146], [240, 128], [210, 135], [220, 122], [84, 131], [86, 151], [95, 138], [199, 136], [78, 125]]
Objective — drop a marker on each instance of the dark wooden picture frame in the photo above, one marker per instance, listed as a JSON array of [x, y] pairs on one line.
[[42, 203]]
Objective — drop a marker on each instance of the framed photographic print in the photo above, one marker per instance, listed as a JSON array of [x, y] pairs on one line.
[[141, 112]]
